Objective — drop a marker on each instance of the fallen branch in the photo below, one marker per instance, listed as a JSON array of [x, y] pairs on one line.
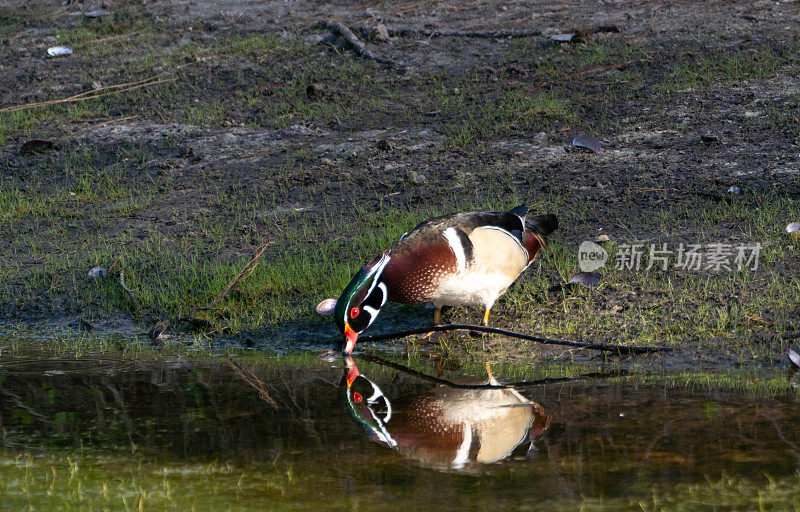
[[619, 349], [359, 47], [254, 381], [485, 34], [92, 94]]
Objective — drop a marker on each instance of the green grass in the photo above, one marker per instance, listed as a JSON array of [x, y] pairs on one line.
[[709, 68]]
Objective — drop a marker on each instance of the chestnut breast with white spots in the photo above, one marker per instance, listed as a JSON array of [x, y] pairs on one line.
[[414, 274]]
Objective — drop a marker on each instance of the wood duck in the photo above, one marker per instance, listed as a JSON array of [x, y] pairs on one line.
[[462, 259], [446, 427]]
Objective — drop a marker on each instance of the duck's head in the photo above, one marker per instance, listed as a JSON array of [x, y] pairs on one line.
[[366, 404], [360, 302]]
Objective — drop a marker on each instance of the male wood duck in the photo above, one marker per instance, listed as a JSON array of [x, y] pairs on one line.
[[446, 427], [462, 259]]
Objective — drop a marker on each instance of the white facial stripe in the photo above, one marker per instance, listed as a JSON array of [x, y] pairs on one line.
[[385, 293], [377, 393], [373, 313], [377, 273], [462, 455], [455, 245]]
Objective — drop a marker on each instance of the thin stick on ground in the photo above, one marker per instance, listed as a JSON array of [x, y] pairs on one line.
[[254, 381], [246, 271], [606, 347], [486, 34], [354, 42], [598, 69], [92, 94], [128, 291]]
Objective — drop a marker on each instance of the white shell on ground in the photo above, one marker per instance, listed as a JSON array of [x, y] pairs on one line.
[[59, 51], [326, 307], [794, 357], [793, 229]]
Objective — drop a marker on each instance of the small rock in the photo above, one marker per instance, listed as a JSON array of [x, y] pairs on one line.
[[563, 38], [415, 178], [326, 161], [793, 229], [96, 14], [59, 51], [381, 34], [97, 272], [734, 190], [602, 238]]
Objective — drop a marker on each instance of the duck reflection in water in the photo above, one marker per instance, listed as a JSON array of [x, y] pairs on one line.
[[449, 427]]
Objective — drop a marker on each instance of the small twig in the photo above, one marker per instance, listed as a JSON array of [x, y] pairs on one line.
[[92, 94], [487, 34], [248, 268], [652, 189], [253, 380], [619, 349], [128, 291], [354, 42], [598, 69]]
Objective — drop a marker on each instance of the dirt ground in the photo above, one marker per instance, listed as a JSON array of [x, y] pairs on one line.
[[246, 123]]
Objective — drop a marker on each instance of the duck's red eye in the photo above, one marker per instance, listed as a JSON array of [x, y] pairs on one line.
[[357, 396], [354, 312]]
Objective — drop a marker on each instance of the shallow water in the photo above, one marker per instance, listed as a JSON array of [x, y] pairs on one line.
[[119, 433]]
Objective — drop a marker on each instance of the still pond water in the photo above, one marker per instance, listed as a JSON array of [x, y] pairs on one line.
[[106, 432]]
